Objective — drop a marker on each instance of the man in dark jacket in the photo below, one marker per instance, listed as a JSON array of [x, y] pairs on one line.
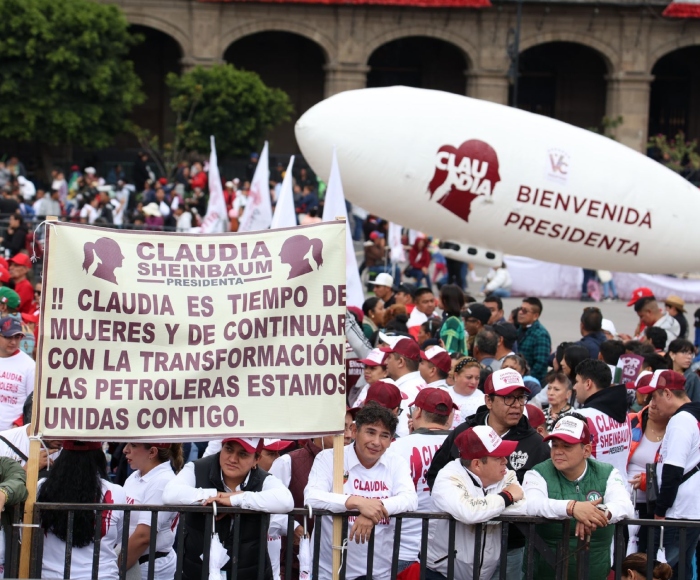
[[506, 395], [605, 407], [592, 330]]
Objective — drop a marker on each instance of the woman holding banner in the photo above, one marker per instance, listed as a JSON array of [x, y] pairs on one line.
[[154, 464], [228, 478], [79, 475]]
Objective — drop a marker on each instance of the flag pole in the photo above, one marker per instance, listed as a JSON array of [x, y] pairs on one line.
[[25, 557]]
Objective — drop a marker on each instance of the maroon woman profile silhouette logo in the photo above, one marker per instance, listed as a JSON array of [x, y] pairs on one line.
[[295, 252], [109, 255]]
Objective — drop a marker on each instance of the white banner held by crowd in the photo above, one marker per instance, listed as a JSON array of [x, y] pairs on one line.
[[151, 336], [258, 211], [334, 207]]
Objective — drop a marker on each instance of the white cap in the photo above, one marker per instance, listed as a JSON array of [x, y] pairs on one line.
[[375, 357], [250, 444], [276, 444], [90, 170], [383, 280], [392, 341], [503, 382], [229, 184], [608, 326]]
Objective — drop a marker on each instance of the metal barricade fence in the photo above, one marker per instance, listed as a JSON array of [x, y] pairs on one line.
[[558, 559]]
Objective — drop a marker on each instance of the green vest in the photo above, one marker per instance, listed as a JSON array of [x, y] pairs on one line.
[[590, 488]]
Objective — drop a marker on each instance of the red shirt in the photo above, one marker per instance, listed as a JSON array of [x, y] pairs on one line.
[[26, 296]]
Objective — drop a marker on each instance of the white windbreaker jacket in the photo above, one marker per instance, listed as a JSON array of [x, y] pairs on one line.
[[459, 492]]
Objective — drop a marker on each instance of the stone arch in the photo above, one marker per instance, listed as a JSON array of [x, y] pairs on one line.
[[175, 32], [608, 53], [468, 49], [326, 45], [667, 48]]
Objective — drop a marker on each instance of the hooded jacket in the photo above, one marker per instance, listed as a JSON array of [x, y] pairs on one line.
[[606, 412]]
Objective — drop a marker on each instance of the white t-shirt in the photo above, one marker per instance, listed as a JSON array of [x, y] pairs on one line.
[[90, 213], [148, 490], [81, 562], [16, 383], [643, 454], [468, 404], [19, 438], [681, 447], [610, 440], [389, 480], [418, 449], [416, 318], [409, 385]]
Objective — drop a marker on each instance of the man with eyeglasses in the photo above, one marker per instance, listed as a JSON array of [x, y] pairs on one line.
[[534, 342], [506, 396]]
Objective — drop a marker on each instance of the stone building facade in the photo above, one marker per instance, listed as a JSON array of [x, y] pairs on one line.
[[579, 60]]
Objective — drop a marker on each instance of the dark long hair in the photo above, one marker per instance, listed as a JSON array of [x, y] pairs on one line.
[[76, 477]]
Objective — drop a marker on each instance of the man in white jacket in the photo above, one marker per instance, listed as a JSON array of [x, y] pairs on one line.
[[475, 488], [376, 483]]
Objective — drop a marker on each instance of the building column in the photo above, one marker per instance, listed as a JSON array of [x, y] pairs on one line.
[[628, 97], [488, 85], [344, 77]]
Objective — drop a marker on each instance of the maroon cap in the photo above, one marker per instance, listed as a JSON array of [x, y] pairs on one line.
[[535, 416], [21, 260], [434, 400], [664, 379], [405, 347], [81, 445], [642, 292], [503, 382], [276, 444], [570, 430], [643, 380], [483, 441], [385, 394], [439, 357]]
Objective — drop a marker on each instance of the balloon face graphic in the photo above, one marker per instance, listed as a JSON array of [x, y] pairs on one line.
[[462, 174]]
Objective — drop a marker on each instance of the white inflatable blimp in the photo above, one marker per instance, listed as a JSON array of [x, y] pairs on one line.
[[500, 178]]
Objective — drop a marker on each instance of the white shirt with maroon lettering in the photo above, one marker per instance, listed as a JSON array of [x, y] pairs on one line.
[[16, 383], [409, 385], [418, 449], [611, 440], [389, 480]]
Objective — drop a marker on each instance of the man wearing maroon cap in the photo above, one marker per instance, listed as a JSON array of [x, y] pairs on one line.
[[403, 358], [474, 488], [435, 366], [573, 485], [431, 415], [386, 394], [19, 266], [678, 465], [505, 398]]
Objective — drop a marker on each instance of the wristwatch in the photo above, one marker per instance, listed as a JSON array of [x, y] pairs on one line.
[[603, 508]]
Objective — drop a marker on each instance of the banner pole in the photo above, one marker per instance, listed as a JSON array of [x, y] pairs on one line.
[[338, 521], [338, 469], [32, 472]]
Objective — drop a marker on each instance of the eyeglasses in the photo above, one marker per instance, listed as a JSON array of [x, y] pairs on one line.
[[398, 413], [37, 292], [526, 311], [510, 400]]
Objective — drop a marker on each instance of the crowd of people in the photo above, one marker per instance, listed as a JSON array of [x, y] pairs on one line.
[[459, 406]]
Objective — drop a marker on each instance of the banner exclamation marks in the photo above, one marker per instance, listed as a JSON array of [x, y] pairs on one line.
[[57, 299]]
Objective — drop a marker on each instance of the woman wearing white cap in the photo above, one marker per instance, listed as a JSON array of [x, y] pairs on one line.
[[154, 464], [228, 478]]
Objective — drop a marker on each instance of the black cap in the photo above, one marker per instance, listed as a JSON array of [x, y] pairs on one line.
[[409, 289], [479, 311], [506, 330]]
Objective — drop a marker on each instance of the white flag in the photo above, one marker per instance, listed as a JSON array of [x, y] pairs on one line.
[[216, 219], [396, 253], [285, 216], [258, 211], [335, 207]]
